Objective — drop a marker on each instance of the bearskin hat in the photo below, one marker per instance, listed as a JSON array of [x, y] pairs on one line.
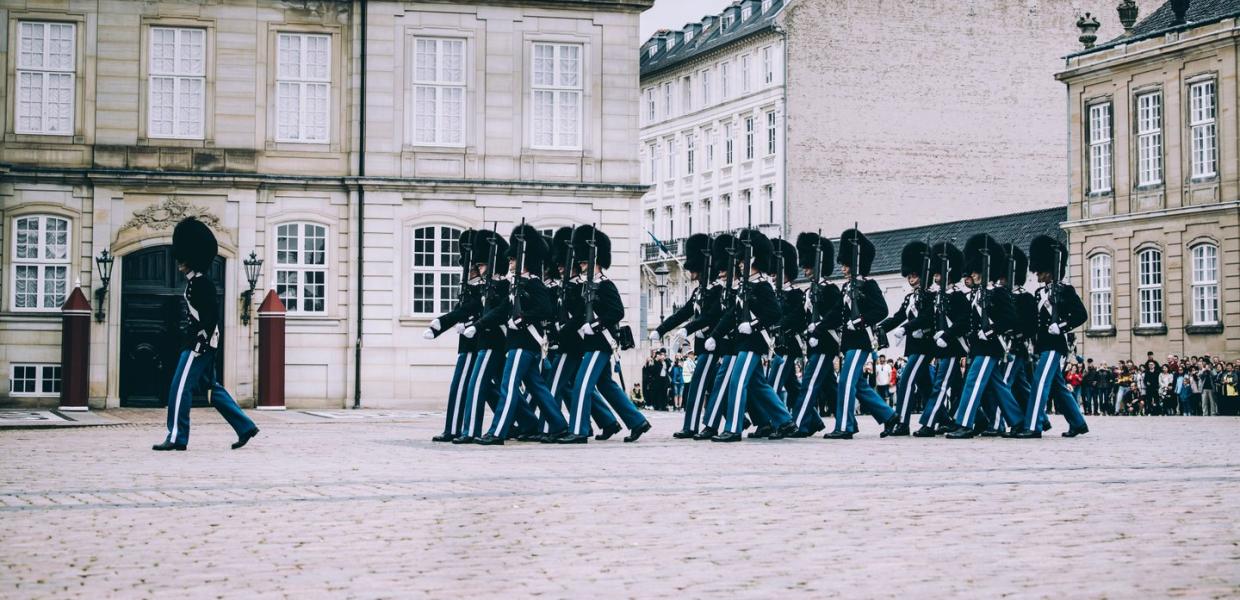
[[194, 244], [912, 258], [974, 256], [720, 259], [853, 241], [1021, 267], [1042, 252], [561, 249], [789, 258], [760, 249], [806, 243], [697, 252], [535, 248], [486, 242], [465, 244], [602, 244], [955, 261]]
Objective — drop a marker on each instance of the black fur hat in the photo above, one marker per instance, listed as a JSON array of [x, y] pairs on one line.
[[1042, 255], [850, 241], [1022, 264], [581, 245], [194, 244], [805, 252], [548, 265], [697, 251], [719, 258], [955, 261], [465, 243], [484, 242], [535, 247], [789, 257], [561, 248], [912, 258], [760, 248], [973, 257]]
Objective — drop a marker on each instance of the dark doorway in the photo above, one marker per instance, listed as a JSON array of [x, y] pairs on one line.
[[153, 317]]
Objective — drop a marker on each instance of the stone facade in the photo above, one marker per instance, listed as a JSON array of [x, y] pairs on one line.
[[272, 175]]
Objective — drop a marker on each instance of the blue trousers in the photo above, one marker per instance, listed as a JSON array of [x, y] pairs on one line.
[[482, 389], [854, 388], [817, 380], [559, 372], [782, 375], [1048, 384], [522, 368], [595, 375], [746, 379], [985, 379], [718, 392], [703, 378], [455, 417], [946, 379], [1016, 377], [914, 386], [197, 372]]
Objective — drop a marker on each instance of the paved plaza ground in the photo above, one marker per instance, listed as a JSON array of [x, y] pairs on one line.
[[367, 506]]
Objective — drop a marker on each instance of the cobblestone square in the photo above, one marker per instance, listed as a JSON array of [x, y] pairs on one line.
[[314, 507]]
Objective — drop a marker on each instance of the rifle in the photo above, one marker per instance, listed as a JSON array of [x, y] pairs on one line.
[[1011, 270], [940, 299], [730, 297], [589, 288], [467, 254], [491, 257], [855, 295], [519, 238], [984, 284], [705, 277], [815, 284], [564, 277], [778, 256], [747, 261]]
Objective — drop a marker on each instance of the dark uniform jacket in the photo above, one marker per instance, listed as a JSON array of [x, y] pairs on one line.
[[691, 314], [916, 313], [763, 315], [952, 325], [203, 332], [792, 322], [830, 304], [1071, 315], [491, 334], [1025, 324], [535, 312], [608, 312], [871, 309], [468, 308], [984, 338]]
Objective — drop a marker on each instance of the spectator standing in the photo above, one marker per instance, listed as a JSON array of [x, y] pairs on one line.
[[882, 376], [1209, 385], [678, 383]]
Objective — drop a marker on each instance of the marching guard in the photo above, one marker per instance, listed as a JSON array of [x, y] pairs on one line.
[[816, 256], [722, 252], [914, 321], [951, 323], [468, 307], [782, 373], [489, 252]]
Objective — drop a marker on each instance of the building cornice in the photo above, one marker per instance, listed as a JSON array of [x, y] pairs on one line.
[[693, 62], [1151, 215], [1147, 49], [602, 5]]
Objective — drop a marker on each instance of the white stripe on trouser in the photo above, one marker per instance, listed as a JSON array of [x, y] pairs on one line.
[[736, 405], [176, 412], [581, 393], [908, 387], [847, 408], [943, 389], [555, 387], [460, 391], [723, 390], [698, 409], [977, 385], [482, 370], [779, 375], [508, 399], [1037, 399], [810, 391]]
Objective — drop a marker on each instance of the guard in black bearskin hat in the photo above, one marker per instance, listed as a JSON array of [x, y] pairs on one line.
[[990, 314], [751, 312], [596, 316], [1059, 311], [816, 256], [951, 323], [782, 372], [722, 264], [864, 307], [194, 248], [523, 314], [914, 321], [696, 315], [1020, 339], [468, 308], [490, 252]]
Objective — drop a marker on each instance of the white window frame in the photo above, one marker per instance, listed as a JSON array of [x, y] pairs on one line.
[[1150, 288], [304, 81], [1149, 139], [687, 209], [181, 76], [771, 133], [749, 141], [705, 77], [1100, 286], [1203, 126], [562, 138], [442, 85], [650, 109], [1205, 283], [669, 224], [725, 80], [686, 94], [766, 5], [690, 153], [710, 149], [44, 375], [444, 269], [769, 192], [294, 293], [726, 208], [746, 72], [768, 64], [671, 158], [667, 99], [747, 204], [654, 163], [728, 144], [41, 263], [45, 74], [746, 11], [1100, 148]]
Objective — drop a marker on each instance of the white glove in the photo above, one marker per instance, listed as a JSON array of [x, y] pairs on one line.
[[919, 334], [1054, 329], [709, 344], [854, 324], [682, 333], [470, 332], [585, 330], [939, 341], [435, 325], [981, 335], [654, 336], [745, 328], [512, 324], [813, 342], [429, 334], [460, 327]]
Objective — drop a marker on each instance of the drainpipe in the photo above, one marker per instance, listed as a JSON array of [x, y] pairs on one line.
[[361, 215], [783, 100]]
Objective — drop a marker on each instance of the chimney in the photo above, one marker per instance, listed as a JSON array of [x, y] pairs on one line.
[[731, 16], [1089, 30], [1127, 15], [1179, 8], [660, 41]]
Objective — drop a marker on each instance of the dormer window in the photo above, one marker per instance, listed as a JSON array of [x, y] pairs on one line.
[[745, 12], [766, 5], [688, 35], [653, 49], [727, 21], [671, 41]]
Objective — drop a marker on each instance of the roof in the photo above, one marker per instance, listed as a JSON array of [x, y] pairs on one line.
[[1200, 12], [710, 39], [1016, 228]]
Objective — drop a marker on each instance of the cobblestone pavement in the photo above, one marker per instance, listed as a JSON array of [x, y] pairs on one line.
[[1139, 508]]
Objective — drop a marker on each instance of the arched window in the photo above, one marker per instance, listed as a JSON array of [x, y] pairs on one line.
[[301, 267], [1100, 292], [40, 262], [1149, 288], [1205, 284], [435, 277]]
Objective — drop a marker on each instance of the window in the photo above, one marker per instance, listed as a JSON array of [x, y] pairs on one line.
[[1100, 148], [686, 209], [727, 143], [727, 211], [1205, 284], [1149, 139], [439, 91], [745, 12], [1202, 120], [747, 204], [45, 78], [686, 95], [705, 79], [768, 65], [301, 267], [671, 42], [669, 223], [671, 158], [690, 151], [770, 133], [654, 163], [34, 380], [177, 83], [436, 274], [746, 79], [40, 262], [710, 149], [303, 81], [1149, 288], [706, 214], [727, 20], [766, 5], [725, 80], [667, 100], [1100, 291], [748, 138], [688, 35], [768, 193], [557, 96], [650, 115]]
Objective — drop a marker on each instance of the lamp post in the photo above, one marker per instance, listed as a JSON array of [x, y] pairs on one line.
[[660, 283], [253, 269], [103, 262]]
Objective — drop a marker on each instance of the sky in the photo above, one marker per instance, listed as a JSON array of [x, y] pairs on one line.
[[673, 14]]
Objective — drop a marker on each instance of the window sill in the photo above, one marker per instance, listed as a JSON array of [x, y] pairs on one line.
[[1150, 187], [1100, 333], [1204, 329], [416, 321], [61, 139], [1203, 179], [1095, 195], [1150, 330]]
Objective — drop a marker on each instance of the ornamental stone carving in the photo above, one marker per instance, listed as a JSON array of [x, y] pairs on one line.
[[165, 215]]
